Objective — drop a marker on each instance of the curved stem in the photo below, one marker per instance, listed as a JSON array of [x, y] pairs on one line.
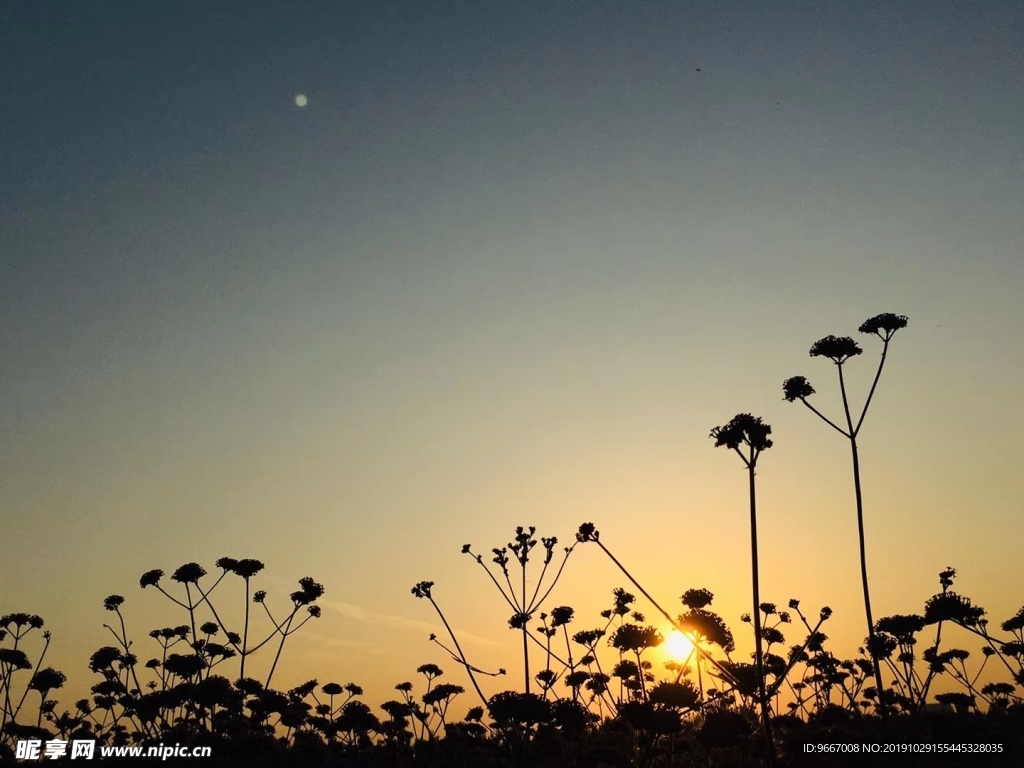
[[458, 647], [280, 647], [871, 393], [723, 672]]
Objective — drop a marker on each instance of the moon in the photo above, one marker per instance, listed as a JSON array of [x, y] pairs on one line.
[[301, 100]]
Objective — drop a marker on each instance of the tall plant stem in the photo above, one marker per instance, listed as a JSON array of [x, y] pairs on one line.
[[860, 534], [245, 632], [526, 642], [277, 657], [766, 719], [465, 662]]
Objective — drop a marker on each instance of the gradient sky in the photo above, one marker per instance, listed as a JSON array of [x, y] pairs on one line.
[[508, 266]]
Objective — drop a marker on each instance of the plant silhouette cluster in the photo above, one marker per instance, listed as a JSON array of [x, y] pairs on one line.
[[592, 690]]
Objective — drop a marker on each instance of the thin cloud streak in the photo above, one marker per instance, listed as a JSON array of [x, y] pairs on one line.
[[361, 614]]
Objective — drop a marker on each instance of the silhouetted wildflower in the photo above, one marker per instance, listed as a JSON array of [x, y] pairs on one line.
[[442, 694], [997, 689], [184, 666], [772, 635], [259, 596], [190, 573], [587, 532], [151, 578], [577, 678], [622, 601], [309, 592], [15, 658], [626, 670], [46, 680], [838, 349], [1013, 648], [709, 625], [561, 615], [20, 620], [903, 628], [103, 658], [743, 429], [571, 717], [816, 641], [247, 567], [949, 606], [887, 322], [643, 716], [430, 671], [1015, 623], [881, 646], [512, 707], [632, 637], [796, 388], [248, 686], [518, 620], [422, 589], [356, 718], [113, 602], [697, 598], [677, 695]]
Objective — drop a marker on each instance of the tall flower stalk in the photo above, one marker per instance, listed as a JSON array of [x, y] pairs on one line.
[[518, 597], [748, 436], [839, 349]]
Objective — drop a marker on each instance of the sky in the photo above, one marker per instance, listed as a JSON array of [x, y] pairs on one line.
[[508, 266]]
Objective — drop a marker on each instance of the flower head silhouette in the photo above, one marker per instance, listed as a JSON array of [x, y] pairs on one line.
[[17, 659], [632, 637], [422, 589], [190, 573], [20, 620], [796, 388], [838, 349], [247, 567], [708, 625], [743, 429], [697, 598], [310, 592], [103, 658], [113, 602], [561, 615], [884, 325], [151, 578]]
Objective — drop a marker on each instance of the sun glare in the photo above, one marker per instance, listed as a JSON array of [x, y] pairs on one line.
[[678, 645]]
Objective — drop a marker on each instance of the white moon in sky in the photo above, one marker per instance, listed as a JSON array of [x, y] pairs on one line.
[[301, 100]]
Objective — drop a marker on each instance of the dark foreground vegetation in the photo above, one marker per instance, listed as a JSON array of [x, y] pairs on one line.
[[589, 695]]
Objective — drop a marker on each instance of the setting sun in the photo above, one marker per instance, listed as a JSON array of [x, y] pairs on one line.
[[678, 645]]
